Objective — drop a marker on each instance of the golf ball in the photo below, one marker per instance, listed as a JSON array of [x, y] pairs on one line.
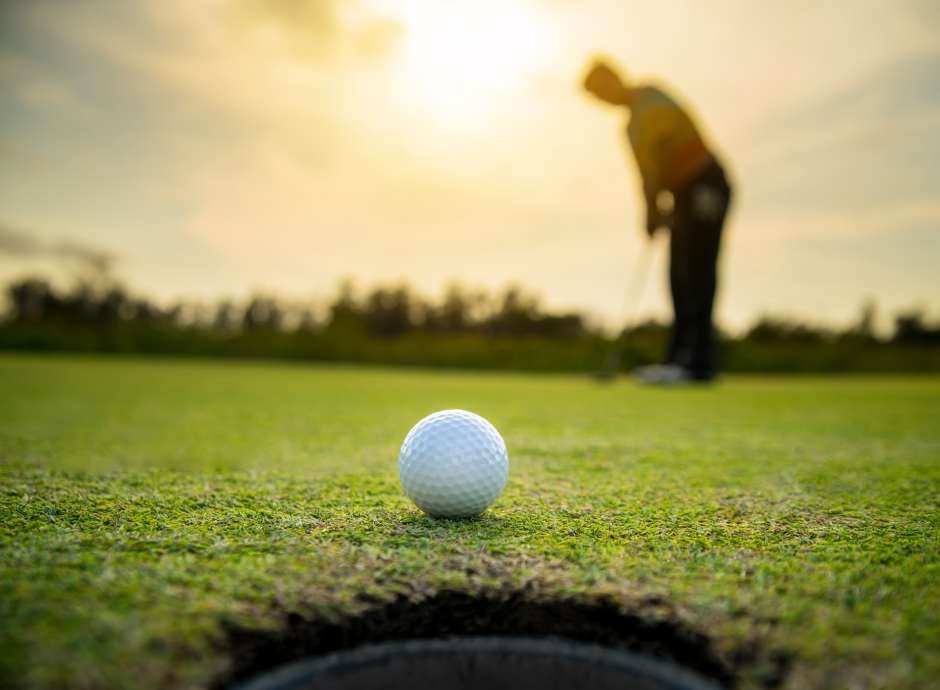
[[453, 463]]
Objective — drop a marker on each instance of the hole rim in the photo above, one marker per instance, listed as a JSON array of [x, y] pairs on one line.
[[307, 673], [648, 627]]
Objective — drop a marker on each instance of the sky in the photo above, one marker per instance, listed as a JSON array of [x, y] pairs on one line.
[[216, 148]]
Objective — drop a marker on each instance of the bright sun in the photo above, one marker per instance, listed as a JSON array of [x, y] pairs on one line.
[[461, 58]]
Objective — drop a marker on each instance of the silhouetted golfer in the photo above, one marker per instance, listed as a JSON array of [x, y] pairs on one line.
[[686, 191]]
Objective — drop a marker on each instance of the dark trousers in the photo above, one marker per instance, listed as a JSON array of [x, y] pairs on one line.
[[699, 214]]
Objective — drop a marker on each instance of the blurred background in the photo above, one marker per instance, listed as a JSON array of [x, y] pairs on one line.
[[423, 182]]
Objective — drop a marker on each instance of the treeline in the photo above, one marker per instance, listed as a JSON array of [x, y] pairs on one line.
[[396, 325]]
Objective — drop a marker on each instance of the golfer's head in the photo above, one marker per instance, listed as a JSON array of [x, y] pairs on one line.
[[604, 83]]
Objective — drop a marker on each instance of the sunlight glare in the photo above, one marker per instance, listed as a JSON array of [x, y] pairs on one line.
[[462, 59]]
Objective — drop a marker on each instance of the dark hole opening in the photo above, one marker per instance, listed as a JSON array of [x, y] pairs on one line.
[[481, 663], [649, 628]]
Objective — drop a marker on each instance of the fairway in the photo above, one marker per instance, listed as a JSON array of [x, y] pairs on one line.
[[164, 521]]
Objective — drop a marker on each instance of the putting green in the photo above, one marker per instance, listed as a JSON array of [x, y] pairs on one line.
[[154, 513]]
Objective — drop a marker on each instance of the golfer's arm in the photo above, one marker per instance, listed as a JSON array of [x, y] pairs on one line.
[[650, 193], [644, 150], [649, 172]]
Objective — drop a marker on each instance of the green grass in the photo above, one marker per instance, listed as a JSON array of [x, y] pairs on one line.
[[148, 506]]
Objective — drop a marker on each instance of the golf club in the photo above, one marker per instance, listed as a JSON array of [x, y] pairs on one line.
[[632, 302]]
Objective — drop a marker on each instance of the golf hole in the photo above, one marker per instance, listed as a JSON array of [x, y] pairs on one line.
[[494, 640], [481, 663]]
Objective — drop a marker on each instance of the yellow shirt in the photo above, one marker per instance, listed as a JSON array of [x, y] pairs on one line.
[[668, 148]]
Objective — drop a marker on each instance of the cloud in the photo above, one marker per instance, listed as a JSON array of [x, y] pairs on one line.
[[32, 84], [319, 28], [20, 245], [927, 11]]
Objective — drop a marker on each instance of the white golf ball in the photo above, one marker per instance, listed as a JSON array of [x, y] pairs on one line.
[[453, 464]]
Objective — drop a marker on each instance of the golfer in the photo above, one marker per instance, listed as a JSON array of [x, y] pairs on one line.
[[686, 192]]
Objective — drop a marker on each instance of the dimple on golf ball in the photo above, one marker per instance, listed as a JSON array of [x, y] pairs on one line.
[[453, 463]]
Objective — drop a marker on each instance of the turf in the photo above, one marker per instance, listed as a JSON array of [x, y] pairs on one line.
[[148, 509]]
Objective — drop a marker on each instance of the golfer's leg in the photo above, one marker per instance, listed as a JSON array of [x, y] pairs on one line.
[[679, 285], [704, 257], [703, 362]]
